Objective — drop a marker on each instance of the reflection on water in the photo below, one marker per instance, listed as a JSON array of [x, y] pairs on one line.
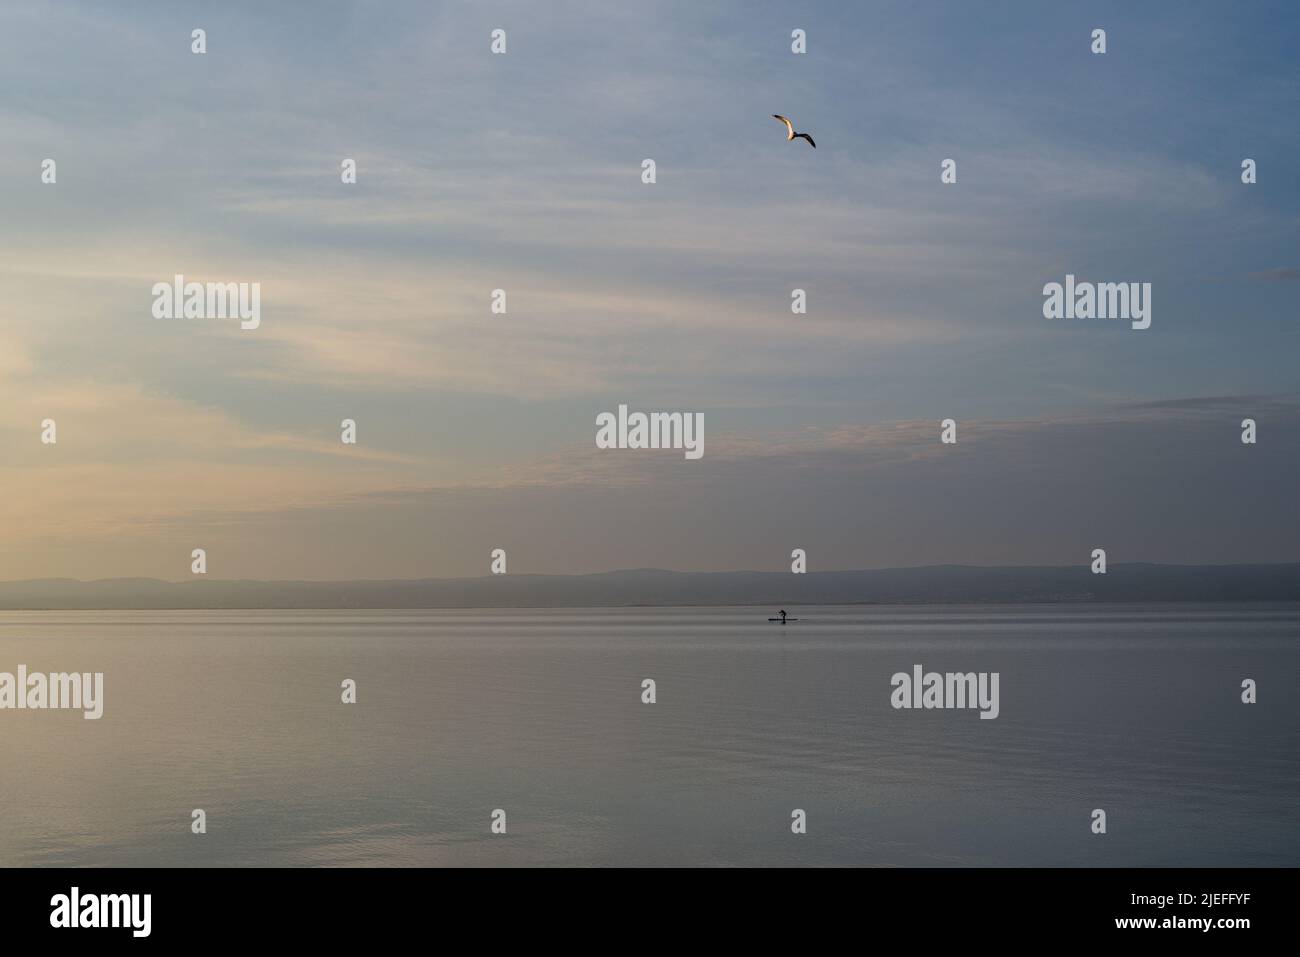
[[1135, 709]]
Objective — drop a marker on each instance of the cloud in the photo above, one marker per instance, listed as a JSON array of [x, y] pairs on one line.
[[1280, 274], [1162, 481]]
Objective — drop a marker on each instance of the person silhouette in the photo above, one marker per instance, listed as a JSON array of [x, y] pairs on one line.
[[783, 616]]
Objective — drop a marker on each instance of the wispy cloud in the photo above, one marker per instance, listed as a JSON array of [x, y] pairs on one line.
[[1280, 274]]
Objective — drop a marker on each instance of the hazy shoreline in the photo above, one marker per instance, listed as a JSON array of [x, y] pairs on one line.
[[648, 588]]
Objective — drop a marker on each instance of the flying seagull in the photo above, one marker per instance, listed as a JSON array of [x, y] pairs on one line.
[[792, 135]]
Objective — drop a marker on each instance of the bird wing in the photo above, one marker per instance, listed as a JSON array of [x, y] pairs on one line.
[[788, 125], [808, 138]]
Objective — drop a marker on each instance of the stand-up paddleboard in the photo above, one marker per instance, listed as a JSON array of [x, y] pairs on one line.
[[783, 620]]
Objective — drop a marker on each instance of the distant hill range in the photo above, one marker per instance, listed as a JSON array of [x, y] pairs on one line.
[[936, 583]]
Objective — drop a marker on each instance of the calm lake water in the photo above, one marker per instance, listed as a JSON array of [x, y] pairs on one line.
[[1134, 709]]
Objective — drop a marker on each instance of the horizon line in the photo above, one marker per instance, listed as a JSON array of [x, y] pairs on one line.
[[642, 570]]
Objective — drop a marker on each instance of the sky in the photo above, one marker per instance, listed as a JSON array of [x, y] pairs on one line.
[[522, 172]]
